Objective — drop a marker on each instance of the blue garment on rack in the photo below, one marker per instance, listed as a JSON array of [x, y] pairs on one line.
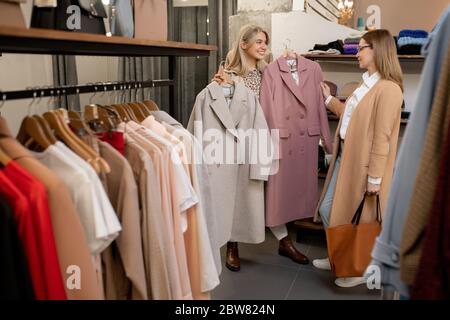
[[386, 253]]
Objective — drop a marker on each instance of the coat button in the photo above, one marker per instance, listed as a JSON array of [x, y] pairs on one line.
[[302, 133], [302, 116], [288, 118], [290, 152]]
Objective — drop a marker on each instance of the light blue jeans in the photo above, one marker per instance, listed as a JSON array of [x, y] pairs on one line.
[[327, 202]]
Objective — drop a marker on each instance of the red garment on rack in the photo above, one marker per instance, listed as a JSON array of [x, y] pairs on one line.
[[115, 139], [433, 278], [21, 208], [36, 234]]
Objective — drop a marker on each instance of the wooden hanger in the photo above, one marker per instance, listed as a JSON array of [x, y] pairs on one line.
[[4, 158], [130, 112], [145, 110], [31, 131], [78, 124], [136, 109], [47, 131], [122, 112], [103, 165], [113, 115], [61, 131], [151, 105], [4, 129], [94, 112]]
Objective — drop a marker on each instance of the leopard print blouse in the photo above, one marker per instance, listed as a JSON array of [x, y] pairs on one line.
[[253, 81]]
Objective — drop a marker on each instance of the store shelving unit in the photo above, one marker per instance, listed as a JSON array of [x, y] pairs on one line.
[[53, 42]]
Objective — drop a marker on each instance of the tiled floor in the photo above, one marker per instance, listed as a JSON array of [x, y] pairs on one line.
[[265, 275]]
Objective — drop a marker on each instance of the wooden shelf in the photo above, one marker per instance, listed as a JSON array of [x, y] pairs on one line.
[[353, 59], [45, 41]]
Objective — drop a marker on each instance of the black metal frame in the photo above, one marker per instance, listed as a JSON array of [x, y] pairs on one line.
[[43, 92]]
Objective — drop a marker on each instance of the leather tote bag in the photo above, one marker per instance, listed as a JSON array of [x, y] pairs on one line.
[[350, 245]]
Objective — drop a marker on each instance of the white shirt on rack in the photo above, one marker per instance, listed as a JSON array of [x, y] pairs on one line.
[[107, 225], [352, 103], [83, 190]]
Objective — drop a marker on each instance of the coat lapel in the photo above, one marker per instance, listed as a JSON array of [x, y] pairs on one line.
[[239, 103], [220, 107], [289, 81]]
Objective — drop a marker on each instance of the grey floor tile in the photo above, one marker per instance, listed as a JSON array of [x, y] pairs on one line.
[[319, 285], [255, 281]]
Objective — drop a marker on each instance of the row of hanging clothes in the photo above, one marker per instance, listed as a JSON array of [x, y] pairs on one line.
[[108, 204], [413, 249]]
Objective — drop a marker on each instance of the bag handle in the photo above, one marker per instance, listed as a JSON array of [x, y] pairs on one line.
[[357, 217]]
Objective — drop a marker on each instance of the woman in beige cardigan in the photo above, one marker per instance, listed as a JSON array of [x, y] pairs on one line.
[[365, 144]]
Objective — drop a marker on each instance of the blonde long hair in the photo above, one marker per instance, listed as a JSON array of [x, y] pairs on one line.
[[237, 61], [386, 58]]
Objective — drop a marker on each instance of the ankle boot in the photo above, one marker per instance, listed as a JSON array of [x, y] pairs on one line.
[[233, 263], [287, 249]]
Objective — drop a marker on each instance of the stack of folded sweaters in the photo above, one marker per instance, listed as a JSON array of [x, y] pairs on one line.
[[410, 42], [351, 45]]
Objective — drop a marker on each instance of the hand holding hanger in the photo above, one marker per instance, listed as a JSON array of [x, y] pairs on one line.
[[221, 77]]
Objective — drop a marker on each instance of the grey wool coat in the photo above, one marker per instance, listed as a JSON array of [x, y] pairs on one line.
[[237, 184]]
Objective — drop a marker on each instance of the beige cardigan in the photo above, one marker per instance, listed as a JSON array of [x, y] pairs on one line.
[[370, 150]]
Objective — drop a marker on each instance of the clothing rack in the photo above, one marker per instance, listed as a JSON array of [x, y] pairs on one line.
[[43, 92], [43, 41]]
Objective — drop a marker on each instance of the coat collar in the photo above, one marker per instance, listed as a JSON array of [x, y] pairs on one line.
[[302, 69], [229, 116]]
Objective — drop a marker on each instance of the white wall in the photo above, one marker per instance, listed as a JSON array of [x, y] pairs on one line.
[[97, 69], [18, 72], [304, 31]]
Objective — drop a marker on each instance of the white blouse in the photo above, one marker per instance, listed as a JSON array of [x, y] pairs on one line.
[[352, 104]]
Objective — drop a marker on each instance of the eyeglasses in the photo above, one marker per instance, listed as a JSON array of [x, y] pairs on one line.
[[363, 47]]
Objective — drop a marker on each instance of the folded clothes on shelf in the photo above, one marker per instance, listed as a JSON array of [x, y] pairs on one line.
[[351, 48], [329, 51], [411, 41], [352, 40], [413, 34], [337, 45], [410, 50]]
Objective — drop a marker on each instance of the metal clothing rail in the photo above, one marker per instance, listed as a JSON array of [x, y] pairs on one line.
[[42, 92]]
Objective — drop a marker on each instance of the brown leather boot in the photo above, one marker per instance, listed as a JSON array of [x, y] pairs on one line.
[[233, 263], [287, 249]]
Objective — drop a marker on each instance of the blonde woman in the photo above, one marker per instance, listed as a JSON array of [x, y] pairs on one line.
[[365, 144], [245, 63]]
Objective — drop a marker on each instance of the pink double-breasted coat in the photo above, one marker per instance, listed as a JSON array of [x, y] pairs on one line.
[[298, 112]]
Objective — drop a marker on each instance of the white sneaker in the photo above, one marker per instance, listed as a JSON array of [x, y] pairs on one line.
[[350, 282], [322, 264]]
